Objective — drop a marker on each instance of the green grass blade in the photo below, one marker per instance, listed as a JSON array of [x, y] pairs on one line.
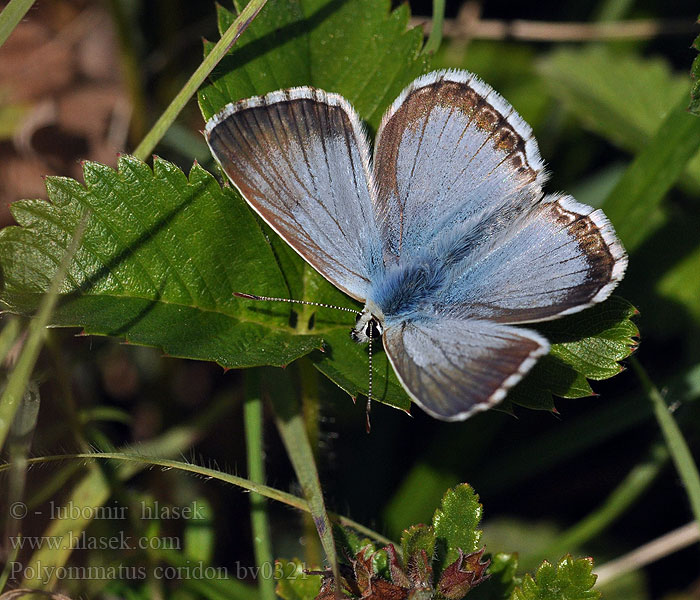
[[8, 335], [311, 409], [17, 382], [137, 462], [198, 77], [93, 489], [11, 15], [290, 423], [680, 453], [253, 417], [633, 204], [19, 443], [435, 39], [7, 569]]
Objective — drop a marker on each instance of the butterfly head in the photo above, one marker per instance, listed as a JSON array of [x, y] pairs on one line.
[[368, 325]]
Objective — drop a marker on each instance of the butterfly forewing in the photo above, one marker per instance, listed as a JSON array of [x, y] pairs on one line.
[[459, 182], [300, 158], [451, 151]]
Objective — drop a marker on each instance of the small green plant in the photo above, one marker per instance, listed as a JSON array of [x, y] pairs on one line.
[[441, 561]]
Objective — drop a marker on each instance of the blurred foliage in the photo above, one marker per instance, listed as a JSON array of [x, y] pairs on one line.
[[441, 561]]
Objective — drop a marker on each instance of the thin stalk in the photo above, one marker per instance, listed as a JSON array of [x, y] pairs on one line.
[[139, 461], [310, 409], [290, 423], [198, 77], [435, 38], [253, 419], [680, 453], [663, 546], [18, 379], [11, 15], [8, 336]]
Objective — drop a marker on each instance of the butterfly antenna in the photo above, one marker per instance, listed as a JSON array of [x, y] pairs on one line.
[[369, 391], [270, 299]]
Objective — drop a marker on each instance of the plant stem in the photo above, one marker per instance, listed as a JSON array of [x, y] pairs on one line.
[[435, 38], [663, 546], [290, 423], [18, 379], [136, 462], [310, 409], [253, 418], [11, 15], [680, 453], [198, 77]]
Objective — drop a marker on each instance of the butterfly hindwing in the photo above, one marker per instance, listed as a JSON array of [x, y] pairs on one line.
[[301, 159], [556, 259], [453, 368]]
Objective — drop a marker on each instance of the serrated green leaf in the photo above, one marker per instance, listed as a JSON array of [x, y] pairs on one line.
[[293, 583], [502, 579], [622, 97], [455, 524], [347, 365], [586, 345], [417, 538], [694, 106], [313, 42], [348, 542], [159, 261], [569, 580]]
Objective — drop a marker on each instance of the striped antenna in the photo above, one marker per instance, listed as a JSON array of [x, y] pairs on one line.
[[322, 305], [269, 299], [369, 391]]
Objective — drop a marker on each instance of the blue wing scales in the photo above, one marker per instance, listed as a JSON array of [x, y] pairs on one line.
[[450, 152], [301, 160], [453, 368]]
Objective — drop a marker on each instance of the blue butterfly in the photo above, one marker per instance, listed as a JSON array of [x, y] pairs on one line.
[[445, 235]]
